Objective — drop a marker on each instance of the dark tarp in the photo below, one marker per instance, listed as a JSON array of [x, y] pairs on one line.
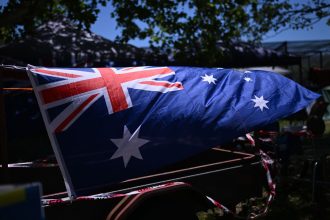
[[247, 55], [299, 47], [61, 43]]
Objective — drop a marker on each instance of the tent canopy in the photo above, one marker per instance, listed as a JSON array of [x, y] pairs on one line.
[[299, 47]]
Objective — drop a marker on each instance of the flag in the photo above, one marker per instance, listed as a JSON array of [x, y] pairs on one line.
[[21, 202], [110, 124]]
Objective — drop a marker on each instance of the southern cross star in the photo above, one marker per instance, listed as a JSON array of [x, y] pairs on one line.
[[260, 102], [210, 79], [129, 145]]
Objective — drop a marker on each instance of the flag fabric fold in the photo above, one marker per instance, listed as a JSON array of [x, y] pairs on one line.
[[110, 124]]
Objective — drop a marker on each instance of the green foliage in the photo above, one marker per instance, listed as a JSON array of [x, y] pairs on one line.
[[193, 27], [190, 29], [211, 214], [21, 17]]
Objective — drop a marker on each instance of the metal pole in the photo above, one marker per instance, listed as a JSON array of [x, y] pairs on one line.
[[321, 60]]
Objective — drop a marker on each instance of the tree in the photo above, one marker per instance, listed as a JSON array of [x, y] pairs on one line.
[[193, 28], [189, 29], [21, 17]]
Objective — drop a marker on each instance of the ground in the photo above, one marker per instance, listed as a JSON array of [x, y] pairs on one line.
[[295, 198]]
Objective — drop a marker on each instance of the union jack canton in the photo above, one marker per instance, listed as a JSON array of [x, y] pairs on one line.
[[82, 87]]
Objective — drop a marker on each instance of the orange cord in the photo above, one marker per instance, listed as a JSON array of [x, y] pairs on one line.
[[18, 89]]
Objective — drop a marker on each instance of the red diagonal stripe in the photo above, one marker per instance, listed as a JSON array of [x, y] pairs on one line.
[[164, 84], [74, 113], [76, 88], [127, 68], [130, 76], [56, 73]]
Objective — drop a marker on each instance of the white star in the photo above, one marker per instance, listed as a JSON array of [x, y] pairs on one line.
[[210, 79], [247, 79], [260, 102], [129, 145]]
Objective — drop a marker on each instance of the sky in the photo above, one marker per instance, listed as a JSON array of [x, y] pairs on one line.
[[106, 27]]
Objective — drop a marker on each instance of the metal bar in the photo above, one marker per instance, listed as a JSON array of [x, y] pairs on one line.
[[314, 181], [13, 72], [305, 180], [3, 133], [321, 60], [7, 72], [300, 71]]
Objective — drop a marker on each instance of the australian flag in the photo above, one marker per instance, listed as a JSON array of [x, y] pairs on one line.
[[110, 124]]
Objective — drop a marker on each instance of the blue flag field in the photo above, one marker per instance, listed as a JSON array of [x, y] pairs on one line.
[[111, 124]]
